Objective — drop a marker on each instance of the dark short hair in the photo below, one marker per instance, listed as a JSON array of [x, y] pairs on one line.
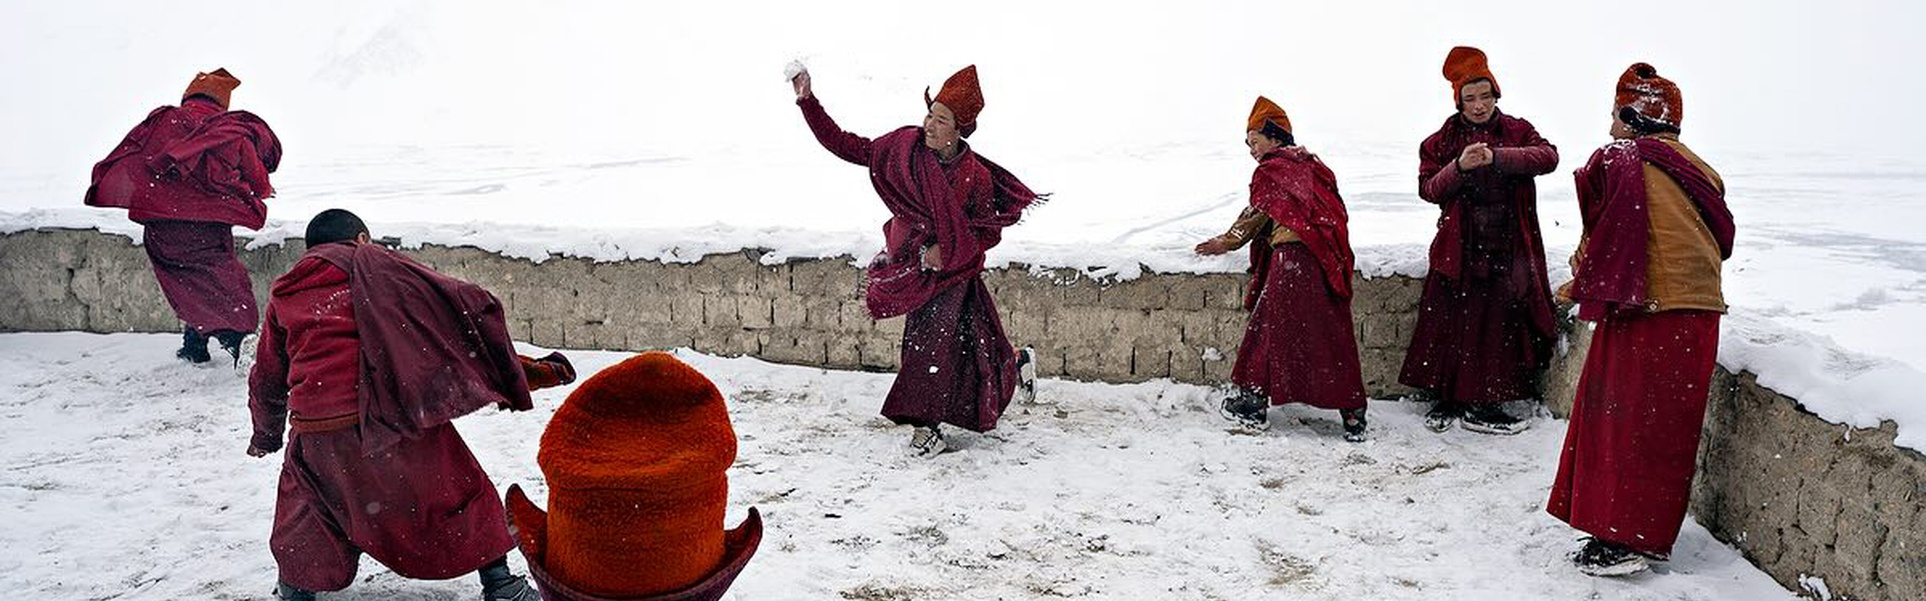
[[334, 225], [1284, 138], [1643, 125]]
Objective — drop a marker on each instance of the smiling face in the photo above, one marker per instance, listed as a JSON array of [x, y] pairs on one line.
[[939, 128], [1477, 102], [1260, 144]]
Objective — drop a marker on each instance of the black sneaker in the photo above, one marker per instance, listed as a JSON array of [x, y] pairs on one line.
[[193, 347], [286, 592], [1443, 415], [1354, 424], [1492, 419], [498, 584], [1246, 409], [1026, 364], [230, 342], [1601, 558]]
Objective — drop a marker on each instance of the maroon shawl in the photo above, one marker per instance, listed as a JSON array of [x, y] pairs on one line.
[[1519, 156], [433, 348], [191, 163], [1611, 196], [926, 209], [1298, 192]]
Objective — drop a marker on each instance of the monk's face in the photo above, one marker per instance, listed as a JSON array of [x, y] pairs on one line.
[[939, 129], [1260, 144], [1621, 131], [1477, 102]]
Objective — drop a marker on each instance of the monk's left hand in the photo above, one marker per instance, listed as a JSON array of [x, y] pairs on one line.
[[256, 453], [933, 257]]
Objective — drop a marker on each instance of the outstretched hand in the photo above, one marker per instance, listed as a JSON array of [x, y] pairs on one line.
[[801, 83], [1213, 246]]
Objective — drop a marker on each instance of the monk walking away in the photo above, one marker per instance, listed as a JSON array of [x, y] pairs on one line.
[[1299, 346], [1485, 323], [948, 205], [366, 358], [1647, 272], [188, 174]]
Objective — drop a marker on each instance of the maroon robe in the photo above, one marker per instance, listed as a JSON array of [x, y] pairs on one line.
[[188, 173], [393, 478], [957, 365], [1625, 474], [1485, 322], [1300, 345]]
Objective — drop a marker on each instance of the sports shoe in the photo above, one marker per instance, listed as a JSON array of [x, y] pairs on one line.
[[1601, 558], [231, 342], [1247, 409], [1026, 364], [1443, 415], [286, 592], [1492, 419], [927, 442], [1354, 424]]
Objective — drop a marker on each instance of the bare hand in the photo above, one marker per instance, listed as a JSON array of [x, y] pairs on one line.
[[256, 453], [1474, 156], [1212, 247], [933, 257], [801, 83]]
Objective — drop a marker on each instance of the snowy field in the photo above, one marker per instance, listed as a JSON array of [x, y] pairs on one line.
[[124, 476]]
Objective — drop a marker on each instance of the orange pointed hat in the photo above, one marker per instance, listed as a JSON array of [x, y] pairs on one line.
[[964, 95], [1641, 89], [635, 461], [1464, 65], [217, 85], [1265, 110]]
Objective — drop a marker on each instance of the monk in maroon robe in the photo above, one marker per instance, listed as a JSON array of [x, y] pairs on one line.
[[1648, 274], [189, 174], [367, 357], [1299, 346], [1485, 322], [948, 205]]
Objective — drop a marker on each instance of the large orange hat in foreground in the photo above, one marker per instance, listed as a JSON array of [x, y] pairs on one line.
[[635, 461]]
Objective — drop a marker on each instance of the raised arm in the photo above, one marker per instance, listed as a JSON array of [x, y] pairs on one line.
[[846, 146]]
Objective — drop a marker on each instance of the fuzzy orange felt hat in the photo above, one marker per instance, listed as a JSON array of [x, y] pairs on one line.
[[1464, 65], [963, 95], [1265, 110], [217, 85], [1653, 97], [635, 461]]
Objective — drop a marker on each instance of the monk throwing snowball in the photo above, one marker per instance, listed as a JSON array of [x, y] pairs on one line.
[[948, 205]]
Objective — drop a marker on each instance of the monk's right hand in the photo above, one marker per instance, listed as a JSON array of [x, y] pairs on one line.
[[1213, 246], [801, 83], [257, 453]]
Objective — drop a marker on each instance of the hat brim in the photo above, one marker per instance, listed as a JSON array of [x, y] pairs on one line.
[[530, 522]]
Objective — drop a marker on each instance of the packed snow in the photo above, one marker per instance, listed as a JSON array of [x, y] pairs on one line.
[[124, 476]]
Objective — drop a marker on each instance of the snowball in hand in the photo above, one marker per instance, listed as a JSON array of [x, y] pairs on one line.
[[793, 69]]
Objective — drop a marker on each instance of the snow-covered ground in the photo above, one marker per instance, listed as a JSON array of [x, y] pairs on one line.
[[123, 476]]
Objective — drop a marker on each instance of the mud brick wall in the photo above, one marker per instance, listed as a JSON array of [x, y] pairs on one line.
[[1801, 497]]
